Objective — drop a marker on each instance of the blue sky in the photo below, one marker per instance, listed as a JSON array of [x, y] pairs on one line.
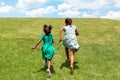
[[61, 8]]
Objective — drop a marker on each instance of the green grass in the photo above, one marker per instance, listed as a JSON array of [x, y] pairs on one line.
[[97, 59]]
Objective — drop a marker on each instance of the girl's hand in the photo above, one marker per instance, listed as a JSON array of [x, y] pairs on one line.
[[33, 48], [60, 40], [76, 32], [36, 44]]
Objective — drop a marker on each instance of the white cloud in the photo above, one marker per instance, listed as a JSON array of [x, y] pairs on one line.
[[26, 4], [69, 13], [117, 3], [6, 9], [69, 8], [63, 6], [96, 4], [112, 15], [86, 15], [2, 3], [40, 11]]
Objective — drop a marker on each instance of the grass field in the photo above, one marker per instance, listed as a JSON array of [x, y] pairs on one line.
[[97, 59]]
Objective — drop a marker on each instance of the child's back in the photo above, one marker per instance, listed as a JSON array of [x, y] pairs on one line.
[[69, 30], [47, 48], [70, 39]]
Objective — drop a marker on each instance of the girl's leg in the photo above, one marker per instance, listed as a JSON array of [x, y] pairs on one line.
[[46, 64], [48, 70], [49, 63], [67, 53], [71, 57], [71, 61]]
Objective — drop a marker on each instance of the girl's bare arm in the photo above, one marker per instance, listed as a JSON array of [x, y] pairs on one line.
[[37, 43], [61, 30], [76, 32]]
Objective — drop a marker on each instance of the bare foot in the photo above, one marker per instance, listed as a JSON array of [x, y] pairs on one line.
[[71, 69]]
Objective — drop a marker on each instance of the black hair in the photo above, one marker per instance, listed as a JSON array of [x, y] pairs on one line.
[[68, 21], [47, 29]]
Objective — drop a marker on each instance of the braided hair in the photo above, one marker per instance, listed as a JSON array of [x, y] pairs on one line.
[[47, 29]]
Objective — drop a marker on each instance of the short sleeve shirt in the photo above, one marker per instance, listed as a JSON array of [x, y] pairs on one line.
[[69, 30], [47, 39]]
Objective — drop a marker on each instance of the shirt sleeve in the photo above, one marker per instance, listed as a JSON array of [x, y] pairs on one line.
[[75, 27], [41, 36]]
